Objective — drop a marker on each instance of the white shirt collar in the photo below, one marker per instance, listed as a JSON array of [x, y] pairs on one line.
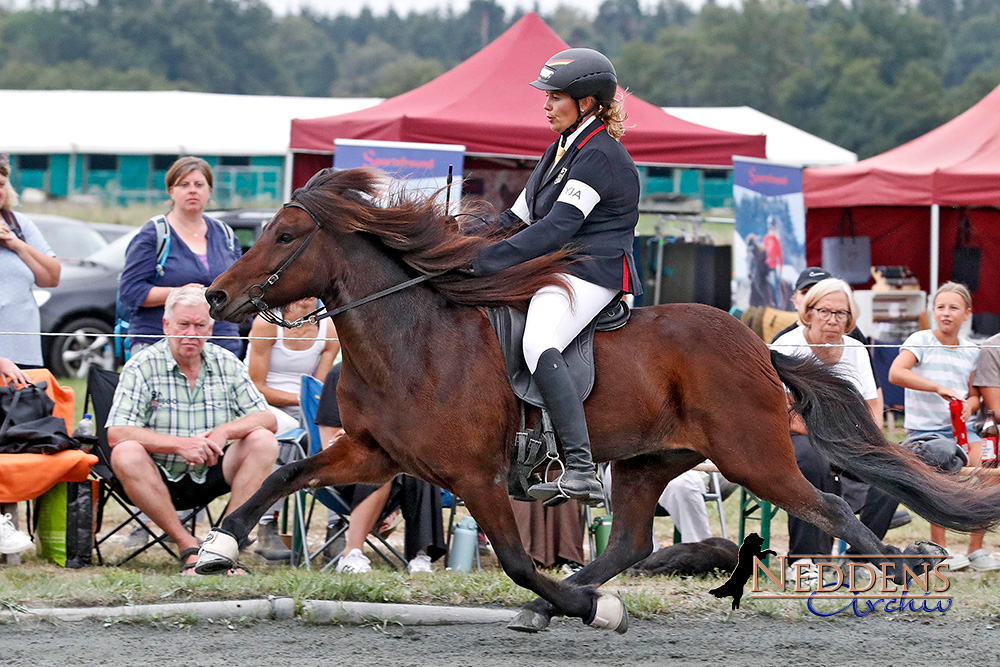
[[578, 131]]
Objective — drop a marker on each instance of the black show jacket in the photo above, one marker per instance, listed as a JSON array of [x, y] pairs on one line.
[[589, 200]]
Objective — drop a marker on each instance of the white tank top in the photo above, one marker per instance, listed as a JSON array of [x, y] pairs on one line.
[[286, 367]]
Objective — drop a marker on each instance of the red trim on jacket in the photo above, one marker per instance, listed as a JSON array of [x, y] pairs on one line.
[[625, 274], [589, 137]]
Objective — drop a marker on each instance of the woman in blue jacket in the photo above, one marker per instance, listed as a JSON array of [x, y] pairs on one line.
[[583, 193], [200, 249]]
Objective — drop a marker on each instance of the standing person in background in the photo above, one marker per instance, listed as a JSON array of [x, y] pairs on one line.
[[936, 366], [200, 249], [25, 260]]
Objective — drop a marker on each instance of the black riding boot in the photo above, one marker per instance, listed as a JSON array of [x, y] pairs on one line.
[[566, 410]]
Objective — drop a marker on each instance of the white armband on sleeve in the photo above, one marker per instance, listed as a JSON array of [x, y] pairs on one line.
[[579, 194], [520, 208]]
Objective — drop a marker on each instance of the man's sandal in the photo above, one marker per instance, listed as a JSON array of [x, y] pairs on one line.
[[186, 567]]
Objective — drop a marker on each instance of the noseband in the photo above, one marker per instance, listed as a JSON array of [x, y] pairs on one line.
[[256, 292]]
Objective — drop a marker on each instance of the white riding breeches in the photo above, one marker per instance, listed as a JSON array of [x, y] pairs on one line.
[[554, 321]]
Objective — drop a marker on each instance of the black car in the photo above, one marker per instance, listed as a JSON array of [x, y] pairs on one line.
[[83, 304]]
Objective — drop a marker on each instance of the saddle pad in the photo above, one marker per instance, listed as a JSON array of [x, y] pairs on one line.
[[509, 322]]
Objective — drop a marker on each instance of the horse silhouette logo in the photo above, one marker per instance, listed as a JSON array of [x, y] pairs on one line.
[[749, 550]]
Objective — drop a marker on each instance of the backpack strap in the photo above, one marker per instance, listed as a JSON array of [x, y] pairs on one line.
[[162, 244], [231, 241]]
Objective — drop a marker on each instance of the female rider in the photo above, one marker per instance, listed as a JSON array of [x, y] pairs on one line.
[[583, 193]]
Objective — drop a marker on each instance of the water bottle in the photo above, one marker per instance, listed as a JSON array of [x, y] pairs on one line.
[[990, 433], [601, 530], [85, 427], [464, 544]]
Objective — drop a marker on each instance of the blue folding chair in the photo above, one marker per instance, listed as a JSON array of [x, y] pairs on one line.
[[328, 496]]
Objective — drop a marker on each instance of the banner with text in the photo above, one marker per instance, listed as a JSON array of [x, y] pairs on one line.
[[415, 167], [769, 243]]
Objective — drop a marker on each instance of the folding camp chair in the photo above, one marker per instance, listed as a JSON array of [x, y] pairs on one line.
[[101, 386], [329, 496]]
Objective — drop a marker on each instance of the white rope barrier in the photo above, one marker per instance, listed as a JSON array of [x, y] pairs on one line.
[[772, 346]]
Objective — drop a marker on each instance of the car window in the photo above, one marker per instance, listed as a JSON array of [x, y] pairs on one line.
[[69, 240], [113, 254]]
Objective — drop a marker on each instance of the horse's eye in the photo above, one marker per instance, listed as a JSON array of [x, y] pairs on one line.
[[285, 238]]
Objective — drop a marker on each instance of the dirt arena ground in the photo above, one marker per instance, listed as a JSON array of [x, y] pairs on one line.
[[914, 639]]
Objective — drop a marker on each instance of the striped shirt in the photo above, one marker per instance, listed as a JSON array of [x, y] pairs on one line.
[[154, 393], [951, 367]]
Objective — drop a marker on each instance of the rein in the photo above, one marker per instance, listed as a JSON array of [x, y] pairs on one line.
[[256, 292]]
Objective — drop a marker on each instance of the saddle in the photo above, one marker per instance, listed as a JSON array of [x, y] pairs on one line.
[[532, 448], [509, 322]]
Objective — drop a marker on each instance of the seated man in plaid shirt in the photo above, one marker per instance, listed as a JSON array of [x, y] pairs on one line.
[[187, 424]]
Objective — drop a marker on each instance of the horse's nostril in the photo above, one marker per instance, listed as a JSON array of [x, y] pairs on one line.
[[216, 298]]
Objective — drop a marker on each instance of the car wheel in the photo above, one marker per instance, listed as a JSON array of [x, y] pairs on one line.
[[89, 343]]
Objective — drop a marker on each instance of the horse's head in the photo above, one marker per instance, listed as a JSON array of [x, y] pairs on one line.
[[296, 256]]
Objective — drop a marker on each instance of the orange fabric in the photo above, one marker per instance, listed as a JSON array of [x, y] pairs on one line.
[[64, 397], [27, 476]]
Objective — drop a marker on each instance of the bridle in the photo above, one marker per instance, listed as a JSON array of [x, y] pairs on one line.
[[256, 292]]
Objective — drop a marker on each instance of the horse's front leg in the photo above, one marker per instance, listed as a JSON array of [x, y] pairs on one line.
[[636, 485], [346, 461], [490, 506]]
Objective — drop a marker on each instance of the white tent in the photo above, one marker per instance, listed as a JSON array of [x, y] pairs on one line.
[[151, 122], [786, 143]]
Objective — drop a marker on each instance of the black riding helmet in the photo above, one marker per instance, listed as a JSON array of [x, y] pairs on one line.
[[579, 73]]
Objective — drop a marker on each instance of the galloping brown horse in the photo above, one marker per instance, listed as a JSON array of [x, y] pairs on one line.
[[423, 391]]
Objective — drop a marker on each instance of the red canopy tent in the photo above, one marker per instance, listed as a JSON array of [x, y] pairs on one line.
[[896, 198], [486, 104]]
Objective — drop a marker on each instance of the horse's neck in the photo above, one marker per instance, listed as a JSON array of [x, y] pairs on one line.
[[383, 338]]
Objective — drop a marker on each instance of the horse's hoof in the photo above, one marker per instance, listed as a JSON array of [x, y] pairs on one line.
[[218, 553], [610, 614], [528, 621]]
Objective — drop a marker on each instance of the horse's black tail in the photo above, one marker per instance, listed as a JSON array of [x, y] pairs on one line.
[[840, 424]]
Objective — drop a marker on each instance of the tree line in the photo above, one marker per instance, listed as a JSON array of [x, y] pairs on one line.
[[867, 75]]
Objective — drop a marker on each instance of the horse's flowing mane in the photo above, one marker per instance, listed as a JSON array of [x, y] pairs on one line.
[[425, 238]]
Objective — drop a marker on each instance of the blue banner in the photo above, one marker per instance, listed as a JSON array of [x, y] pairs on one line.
[[419, 167], [769, 243], [767, 179]]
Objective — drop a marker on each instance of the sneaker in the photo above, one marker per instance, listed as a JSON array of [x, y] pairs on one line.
[[354, 562], [810, 573], [982, 561], [957, 562], [570, 567], [420, 563], [12, 541]]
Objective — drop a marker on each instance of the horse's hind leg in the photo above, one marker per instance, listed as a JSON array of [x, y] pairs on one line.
[[636, 485], [490, 506], [346, 461], [781, 483]]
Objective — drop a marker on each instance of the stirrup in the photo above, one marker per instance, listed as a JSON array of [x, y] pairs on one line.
[[556, 493]]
